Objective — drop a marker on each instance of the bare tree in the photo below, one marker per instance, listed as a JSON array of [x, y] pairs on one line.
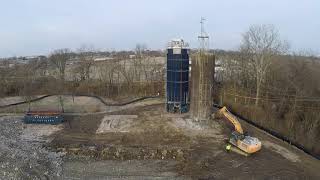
[[138, 61], [59, 60], [3, 80], [29, 73], [260, 44], [86, 56], [107, 72], [127, 71]]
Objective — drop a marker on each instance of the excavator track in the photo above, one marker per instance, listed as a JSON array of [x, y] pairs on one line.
[[231, 147]]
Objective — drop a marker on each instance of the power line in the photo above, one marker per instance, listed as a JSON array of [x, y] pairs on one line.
[[302, 108]]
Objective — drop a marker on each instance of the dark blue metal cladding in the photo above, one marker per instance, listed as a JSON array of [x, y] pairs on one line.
[[178, 81], [43, 119]]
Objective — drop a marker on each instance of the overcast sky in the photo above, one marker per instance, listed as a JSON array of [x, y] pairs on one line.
[[31, 27]]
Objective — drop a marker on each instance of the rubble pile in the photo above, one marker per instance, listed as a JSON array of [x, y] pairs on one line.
[[129, 153], [21, 159]]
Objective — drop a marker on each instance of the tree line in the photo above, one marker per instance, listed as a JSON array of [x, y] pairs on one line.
[[267, 83], [76, 72]]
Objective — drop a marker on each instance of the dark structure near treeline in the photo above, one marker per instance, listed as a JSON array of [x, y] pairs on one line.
[[177, 87], [43, 117], [202, 80]]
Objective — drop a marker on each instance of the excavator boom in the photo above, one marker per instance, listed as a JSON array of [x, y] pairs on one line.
[[230, 117]]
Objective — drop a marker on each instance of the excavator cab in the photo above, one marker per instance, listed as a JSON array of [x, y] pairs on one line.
[[237, 136]]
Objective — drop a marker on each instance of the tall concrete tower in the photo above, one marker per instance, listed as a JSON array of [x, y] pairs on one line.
[[202, 79]]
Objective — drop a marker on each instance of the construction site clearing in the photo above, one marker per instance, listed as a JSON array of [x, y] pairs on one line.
[[137, 141]]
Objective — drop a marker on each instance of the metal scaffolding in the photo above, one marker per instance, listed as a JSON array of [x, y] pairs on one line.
[[202, 79]]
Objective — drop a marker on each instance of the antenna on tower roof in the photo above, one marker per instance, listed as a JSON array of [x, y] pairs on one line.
[[203, 37]]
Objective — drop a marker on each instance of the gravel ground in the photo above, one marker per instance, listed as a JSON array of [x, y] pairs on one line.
[[116, 123], [154, 139], [23, 159], [121, 170], [155, 134]]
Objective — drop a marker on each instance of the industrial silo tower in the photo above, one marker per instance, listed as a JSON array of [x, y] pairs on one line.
[[177, 76], [202, 73]]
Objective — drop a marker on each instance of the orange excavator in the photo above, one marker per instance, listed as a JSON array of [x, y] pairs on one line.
[[247, 144]]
